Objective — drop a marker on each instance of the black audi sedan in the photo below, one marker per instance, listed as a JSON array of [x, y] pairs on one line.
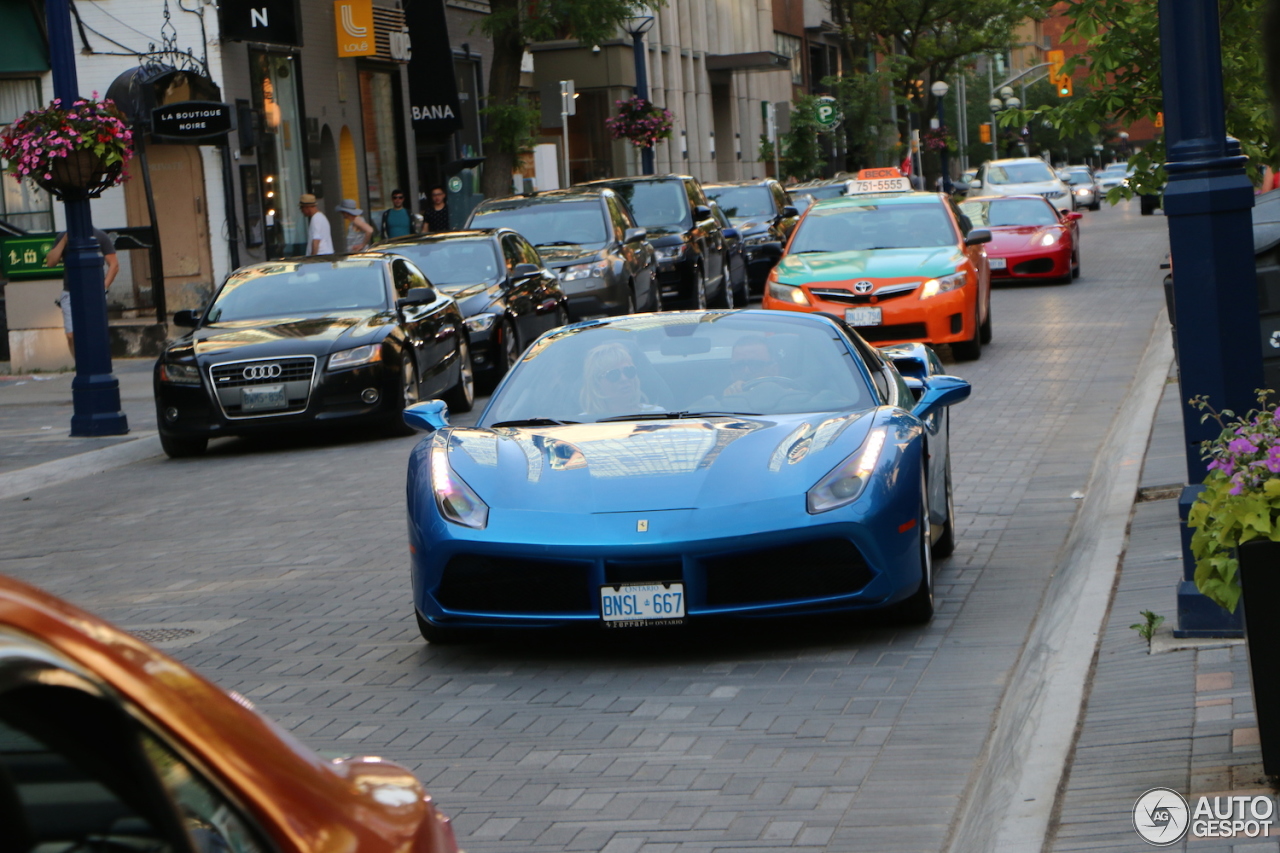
[[310, 342], [762, 213], [505, 292], [693, 260], [589, 238]]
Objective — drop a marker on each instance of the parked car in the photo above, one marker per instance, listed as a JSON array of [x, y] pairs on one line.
[[311, 342], [1022, 176], [672, 468], [964, 182], [108, 745], [763, 212], [505, 293], [1084, 189], [1030, 239], [590, 239], [1113, 176], [693, 260], [737, 255]]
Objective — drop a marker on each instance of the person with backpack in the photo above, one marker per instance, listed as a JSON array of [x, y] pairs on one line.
[[398, 220]]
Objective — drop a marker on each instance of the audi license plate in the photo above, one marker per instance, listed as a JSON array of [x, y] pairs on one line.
[[862, 316], [632, 605], [263, 398], [997, 263]]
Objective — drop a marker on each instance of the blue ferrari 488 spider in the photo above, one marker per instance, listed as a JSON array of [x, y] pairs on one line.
[[662, 468]]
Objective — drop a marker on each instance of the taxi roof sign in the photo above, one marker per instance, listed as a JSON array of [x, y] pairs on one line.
[[886, 179]]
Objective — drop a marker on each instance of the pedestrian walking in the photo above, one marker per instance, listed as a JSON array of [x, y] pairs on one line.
[[109, 260], [436, 213], [319, 238], [398, 220], [359, 232]]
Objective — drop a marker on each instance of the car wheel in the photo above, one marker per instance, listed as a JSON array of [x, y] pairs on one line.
[[726, 291], [1075, 267], [182, 446], [439, 635], [1097, 205], [970, 350], [631, 298], [984, 331], [462, 397], [918, 609], [406, 395], [562, 316], [699, 289], [946, 544], [510, 345]]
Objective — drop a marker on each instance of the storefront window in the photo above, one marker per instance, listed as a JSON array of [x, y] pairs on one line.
[[21, 203], [281, 154], [379, 105]]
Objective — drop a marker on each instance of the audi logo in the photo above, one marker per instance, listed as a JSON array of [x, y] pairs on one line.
[[261, 371], [862, 287]]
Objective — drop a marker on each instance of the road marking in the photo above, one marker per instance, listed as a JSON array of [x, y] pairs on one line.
[[27, 480]]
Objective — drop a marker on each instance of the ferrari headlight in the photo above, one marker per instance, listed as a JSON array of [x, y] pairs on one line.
[[942, 284], [179, 374], [355, 357], [480, 322], [1048, 238], [788, 293], [669, 253], [581, 271], [843, 485], [456, 500]]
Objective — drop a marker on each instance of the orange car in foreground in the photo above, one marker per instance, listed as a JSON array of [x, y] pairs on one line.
[[107, 744]]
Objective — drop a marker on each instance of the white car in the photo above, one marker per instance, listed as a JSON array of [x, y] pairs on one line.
[[1022, 176], [1113, 176]]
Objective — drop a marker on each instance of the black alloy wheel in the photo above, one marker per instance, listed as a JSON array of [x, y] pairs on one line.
[[726, 285], [946, 544], [407, 394], [562, 316], [182, 446], [918, 608], [509, 342], [461, 397], [970, 350], [699, 288]]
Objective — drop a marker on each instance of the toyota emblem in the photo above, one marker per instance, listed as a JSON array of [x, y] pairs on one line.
[[261, 371], [863, 287]]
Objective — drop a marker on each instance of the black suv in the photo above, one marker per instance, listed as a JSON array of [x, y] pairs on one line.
[[589, 239], [693, 259], [762, 212]]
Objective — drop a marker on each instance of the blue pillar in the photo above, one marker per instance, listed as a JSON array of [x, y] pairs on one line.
[[95, 392], [1207, 203], [642, 91]]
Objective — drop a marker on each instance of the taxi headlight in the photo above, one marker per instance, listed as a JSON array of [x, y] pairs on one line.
[[581, 271], [1048, 238], [456, 501], [942, 284], [179, 374], [846, 482], [355, 357], [788, 293]]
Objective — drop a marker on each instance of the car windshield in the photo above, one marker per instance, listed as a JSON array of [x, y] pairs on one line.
[[286, 289], [656, 204], [897, 226], [743, 202], [1014, 211], [455, 262], [549, 223], [825, 192], [1077, 178], [1020, 173], [677, 365]]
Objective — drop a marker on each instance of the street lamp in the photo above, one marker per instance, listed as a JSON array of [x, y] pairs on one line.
[[1097, 153], [637, 26], [1124, 143], [1005, 101], [939, 90]]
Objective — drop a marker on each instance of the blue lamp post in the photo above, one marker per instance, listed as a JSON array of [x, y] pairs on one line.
[[1207, 202], [637, 26], [95, 392]]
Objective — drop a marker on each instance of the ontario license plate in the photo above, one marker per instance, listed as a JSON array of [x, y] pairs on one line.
[[263, 398], [631, 605], [862, 316], [997, 263]]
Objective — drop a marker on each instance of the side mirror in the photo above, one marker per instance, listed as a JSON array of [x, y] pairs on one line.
[[770, 250], [633, 235], [1073, 216], [428, 417], [916, 386], [976, 236], [701, 211], [940, 391], [975, 184], [731, 233], [416, 296], [789, 211], [186, 318], [525, 271]]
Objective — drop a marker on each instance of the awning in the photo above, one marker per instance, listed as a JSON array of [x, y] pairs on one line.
[[25, 48], [762, 60]]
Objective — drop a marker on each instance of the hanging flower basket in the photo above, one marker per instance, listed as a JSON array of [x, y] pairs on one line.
[[640, 122], [74, 153], [937, 139]]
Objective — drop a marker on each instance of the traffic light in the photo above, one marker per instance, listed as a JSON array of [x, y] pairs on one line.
[[1056, 58], [984, 132], [1064, 86]]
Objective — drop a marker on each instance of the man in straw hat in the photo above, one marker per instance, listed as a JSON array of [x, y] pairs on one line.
[[319, 239]]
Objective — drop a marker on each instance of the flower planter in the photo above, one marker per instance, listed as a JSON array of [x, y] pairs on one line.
[[73, 151], [78, 176], [1260, 597]]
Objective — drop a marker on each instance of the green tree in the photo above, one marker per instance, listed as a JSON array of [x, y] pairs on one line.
[[513, 25], [1121, 57], [802, 153]]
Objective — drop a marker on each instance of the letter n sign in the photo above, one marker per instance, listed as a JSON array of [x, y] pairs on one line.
[[268, 21]]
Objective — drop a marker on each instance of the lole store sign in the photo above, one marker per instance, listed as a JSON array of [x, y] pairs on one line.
[[354, 22]]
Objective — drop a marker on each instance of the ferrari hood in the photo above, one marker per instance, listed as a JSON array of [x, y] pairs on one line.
[[818, 268], [1018, 238], [653, 465]]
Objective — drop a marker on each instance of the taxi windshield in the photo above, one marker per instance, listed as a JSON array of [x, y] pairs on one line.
[[1014, 211], [669, 366], [1020, 173], [287, 289], [898, 226]]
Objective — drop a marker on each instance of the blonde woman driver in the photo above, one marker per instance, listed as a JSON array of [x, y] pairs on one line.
[[611, 384]]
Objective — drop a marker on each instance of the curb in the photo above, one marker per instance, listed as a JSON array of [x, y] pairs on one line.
[[27, 480], [1013, 793]]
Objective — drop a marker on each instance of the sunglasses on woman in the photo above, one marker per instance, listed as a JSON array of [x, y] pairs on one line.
[[611, 376]]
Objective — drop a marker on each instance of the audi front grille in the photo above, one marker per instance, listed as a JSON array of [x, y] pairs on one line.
[[294, 373]]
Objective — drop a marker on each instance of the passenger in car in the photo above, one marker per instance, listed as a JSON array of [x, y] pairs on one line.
[[611, 383]]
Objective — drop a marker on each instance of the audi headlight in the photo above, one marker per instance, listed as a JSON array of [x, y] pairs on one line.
[[757, 240], [843, 484], [942, 284], [581, 271], [355, 357], [669, 253], [1048, 238], [179, 374], [788, 293], [480, 322], [456, 501]]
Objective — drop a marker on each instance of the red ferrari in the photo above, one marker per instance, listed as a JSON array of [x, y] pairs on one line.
[[1030, 239]]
